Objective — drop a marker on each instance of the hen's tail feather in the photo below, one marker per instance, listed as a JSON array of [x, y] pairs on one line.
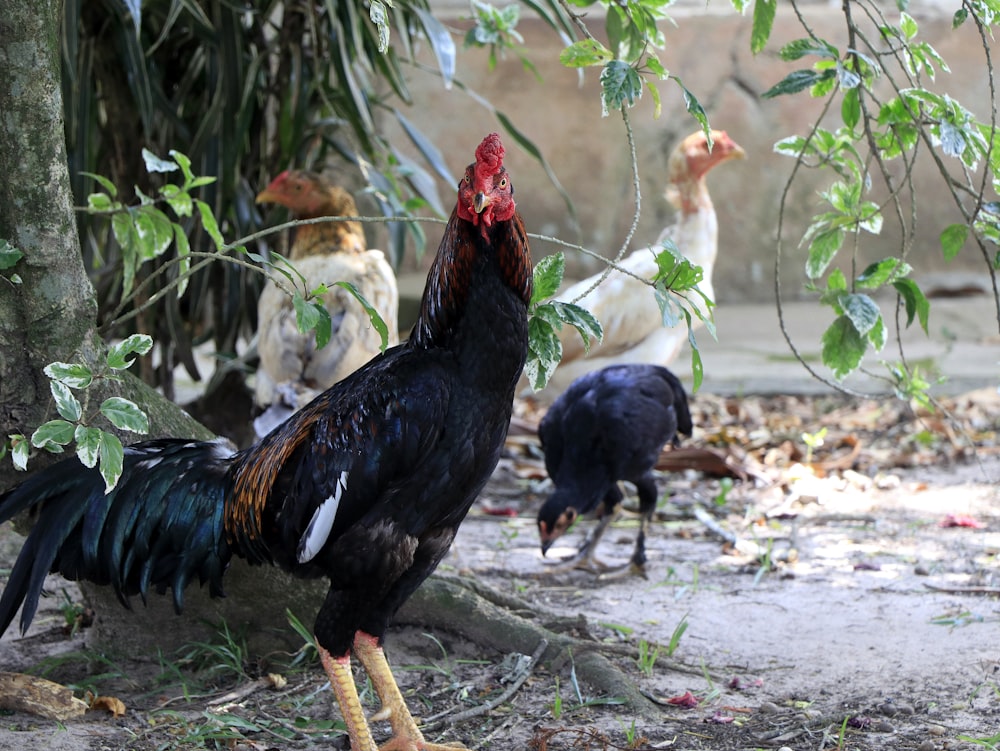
[[159, 527]]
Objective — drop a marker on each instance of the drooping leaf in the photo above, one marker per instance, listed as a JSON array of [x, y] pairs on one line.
[[306, 315], [822, 250], [373, 316], [569, 314], [112, 459], [67, 405], [843, 347], [915, 302], [952, 239], [764, 12], [544, 352], [88, 444], [20, 450]]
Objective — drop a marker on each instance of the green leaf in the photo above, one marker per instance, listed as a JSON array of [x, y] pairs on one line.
[[544, 352], [620, 85], [952, 240], [125, 414], [67, 405], [178, 200], [959, 18], [156, 164], [547, 276], [675, 271], [112, 458], [73, 374], [915, 301], [863, 312], [569, 314], [209, 223], [908, 25], [88, 444], [185, 164], [802, 47], [154, 232], [584, 53], [306, 316], [100, 202], [822, 250], [183, 259], [139, 344], [764, 12], [797, 81], [376, 12], [20, 450], [9, 255], [882, 272], [843, 347], [695, 109], [850, 108], [697, 366], [104, 182], [52, 435], [373, 316]]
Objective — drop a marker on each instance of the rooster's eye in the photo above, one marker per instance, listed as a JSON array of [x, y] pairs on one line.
[[503, 182]]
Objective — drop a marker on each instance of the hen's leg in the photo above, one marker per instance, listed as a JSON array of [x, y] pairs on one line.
[[646, 488], [338, 669], [406, 736]]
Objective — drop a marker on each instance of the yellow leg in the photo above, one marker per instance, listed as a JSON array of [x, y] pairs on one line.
[[338, 669], [406, 736]]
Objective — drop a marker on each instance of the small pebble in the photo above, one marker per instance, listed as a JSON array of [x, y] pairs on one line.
[[883, 726], [921, 569], [768, 707], [927, 745], [936, 729]]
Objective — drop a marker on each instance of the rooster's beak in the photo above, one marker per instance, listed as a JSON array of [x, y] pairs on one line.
[[480, 202]]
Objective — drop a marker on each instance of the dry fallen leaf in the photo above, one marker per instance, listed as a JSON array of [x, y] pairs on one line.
[[109, 704]]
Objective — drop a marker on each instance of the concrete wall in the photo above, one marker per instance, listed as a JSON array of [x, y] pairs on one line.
[[709, 50]]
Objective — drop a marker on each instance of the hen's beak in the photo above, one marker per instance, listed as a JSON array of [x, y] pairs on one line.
[[480, 202], [266, 196]]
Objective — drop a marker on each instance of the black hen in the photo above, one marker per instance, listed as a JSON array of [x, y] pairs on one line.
[[609, 425], [366, 485]]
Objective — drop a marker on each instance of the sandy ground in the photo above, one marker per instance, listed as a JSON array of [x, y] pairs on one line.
[[851, 614]]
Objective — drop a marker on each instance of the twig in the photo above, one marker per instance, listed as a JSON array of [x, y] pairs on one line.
[[482, 709], [963, 590]]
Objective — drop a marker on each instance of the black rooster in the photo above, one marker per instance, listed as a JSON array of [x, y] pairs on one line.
[[609, 425], [366, 485]]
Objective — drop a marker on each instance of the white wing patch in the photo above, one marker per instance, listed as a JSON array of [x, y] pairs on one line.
[[321, 523]]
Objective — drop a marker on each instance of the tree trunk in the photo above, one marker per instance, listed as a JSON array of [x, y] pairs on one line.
[[51, 315]]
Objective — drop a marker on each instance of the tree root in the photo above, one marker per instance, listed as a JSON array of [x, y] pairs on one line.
[[467, 608]]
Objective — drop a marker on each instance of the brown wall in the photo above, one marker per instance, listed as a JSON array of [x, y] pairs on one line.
[[710, 53]]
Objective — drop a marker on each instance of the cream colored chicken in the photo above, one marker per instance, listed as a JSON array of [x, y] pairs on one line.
[[292, 370], [626, 307]]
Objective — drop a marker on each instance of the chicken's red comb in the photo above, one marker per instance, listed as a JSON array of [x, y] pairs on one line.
[[489, 157]]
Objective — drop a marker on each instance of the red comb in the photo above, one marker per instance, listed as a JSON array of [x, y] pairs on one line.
[[489, 157]]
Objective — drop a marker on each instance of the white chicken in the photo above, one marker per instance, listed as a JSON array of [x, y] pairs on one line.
[[626, 307], [292, 370]]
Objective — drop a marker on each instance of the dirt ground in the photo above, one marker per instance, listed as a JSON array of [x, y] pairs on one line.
[[853, 606]]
